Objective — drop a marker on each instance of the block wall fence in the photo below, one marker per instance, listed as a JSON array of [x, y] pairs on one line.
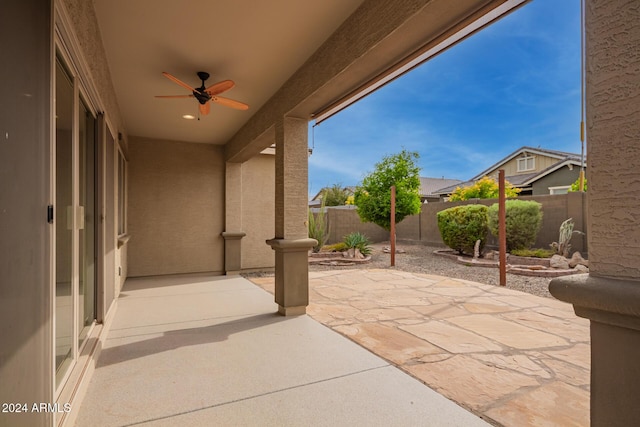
[[423, 228]]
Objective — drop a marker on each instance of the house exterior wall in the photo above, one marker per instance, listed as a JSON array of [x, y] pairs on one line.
[[511, 167], [176, 207], [561, 177], [26, 259], [258, 211]]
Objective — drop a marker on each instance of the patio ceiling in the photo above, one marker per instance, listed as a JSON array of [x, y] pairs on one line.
[[261, 45], [257, 44]]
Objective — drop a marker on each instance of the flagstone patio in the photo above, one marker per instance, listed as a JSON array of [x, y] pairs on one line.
[[510, 357]]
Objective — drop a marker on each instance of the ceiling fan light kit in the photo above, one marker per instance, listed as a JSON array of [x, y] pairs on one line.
[[205, 94]]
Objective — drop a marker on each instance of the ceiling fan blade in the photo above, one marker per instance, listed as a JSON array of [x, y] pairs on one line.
[[229, 103], [176, 80], [220, 87], [204, 108], [174, 96]]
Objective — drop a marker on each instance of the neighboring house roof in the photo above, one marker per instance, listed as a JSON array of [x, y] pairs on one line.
[[522, 179], [560, 155], [429, 186], [450, 189]]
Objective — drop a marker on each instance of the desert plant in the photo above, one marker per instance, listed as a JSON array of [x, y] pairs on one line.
[[485, 188], [318, 227], [524, 219], [357, 240], [563, 245], [462, 226]]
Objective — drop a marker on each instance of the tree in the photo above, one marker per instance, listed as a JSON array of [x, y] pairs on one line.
[[336, 195], [485, 188], [373, 197], [576, 186]]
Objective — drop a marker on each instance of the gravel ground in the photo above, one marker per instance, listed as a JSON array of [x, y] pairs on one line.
[[421, 259]]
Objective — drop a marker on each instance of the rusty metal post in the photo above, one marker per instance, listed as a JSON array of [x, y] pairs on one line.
[[393, 226], [502, 228]]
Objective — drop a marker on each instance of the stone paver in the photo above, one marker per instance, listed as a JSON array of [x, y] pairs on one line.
[[511, 357]]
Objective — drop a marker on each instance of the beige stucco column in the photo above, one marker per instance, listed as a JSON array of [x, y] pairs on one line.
[[610, 294], [291, 242], [233, 218]]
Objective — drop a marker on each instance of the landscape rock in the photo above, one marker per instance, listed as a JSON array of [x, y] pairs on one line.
[[582, 268], [576, 259], [558, 261], [387, 250]]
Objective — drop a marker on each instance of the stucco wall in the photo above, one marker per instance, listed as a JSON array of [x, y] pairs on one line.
[[258, 211], [176, 207], [26, 371], [613, 129]]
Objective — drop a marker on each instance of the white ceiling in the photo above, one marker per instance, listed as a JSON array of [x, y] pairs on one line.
[[240, 40]]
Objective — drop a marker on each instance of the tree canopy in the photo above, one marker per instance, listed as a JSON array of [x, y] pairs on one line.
[[336, 195], [485, 188], [576, 186], [373, 196]]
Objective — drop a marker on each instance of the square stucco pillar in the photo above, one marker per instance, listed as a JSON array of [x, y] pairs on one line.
[[291, 242], [233, 233], [610, 294]]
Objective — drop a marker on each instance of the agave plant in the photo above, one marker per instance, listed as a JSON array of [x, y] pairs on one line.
[[358, 241]]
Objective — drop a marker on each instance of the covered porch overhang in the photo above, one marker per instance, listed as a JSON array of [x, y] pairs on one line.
[[352, 48], [355, 46]]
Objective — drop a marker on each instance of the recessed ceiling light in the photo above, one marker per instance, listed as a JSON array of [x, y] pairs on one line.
[[188, 117]]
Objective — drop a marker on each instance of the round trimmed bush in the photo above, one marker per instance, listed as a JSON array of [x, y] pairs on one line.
[[461, 226], [524, 219]]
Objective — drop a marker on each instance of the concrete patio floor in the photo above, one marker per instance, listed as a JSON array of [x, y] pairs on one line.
[[199, 350], [515, 359]]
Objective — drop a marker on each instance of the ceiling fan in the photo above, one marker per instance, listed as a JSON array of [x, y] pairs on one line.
[[205, 94]]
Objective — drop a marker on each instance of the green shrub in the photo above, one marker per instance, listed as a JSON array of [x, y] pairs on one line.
[[524, 219], [533, 253], [576, 186], [461, 226], [359, 241]]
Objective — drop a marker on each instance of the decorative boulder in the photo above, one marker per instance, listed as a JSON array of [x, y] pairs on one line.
[[582, 268], [576, 259], [560, 262]]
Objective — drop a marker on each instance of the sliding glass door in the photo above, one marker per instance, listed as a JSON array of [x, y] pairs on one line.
[[75, 221]]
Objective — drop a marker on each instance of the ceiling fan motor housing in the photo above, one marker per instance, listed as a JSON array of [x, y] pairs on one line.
[[201, 95]]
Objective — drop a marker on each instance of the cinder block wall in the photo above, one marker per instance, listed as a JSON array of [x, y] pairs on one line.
[[423, 228], [344, 221]]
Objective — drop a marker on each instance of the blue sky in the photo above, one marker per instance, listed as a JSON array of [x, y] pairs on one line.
[[512, 84]]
